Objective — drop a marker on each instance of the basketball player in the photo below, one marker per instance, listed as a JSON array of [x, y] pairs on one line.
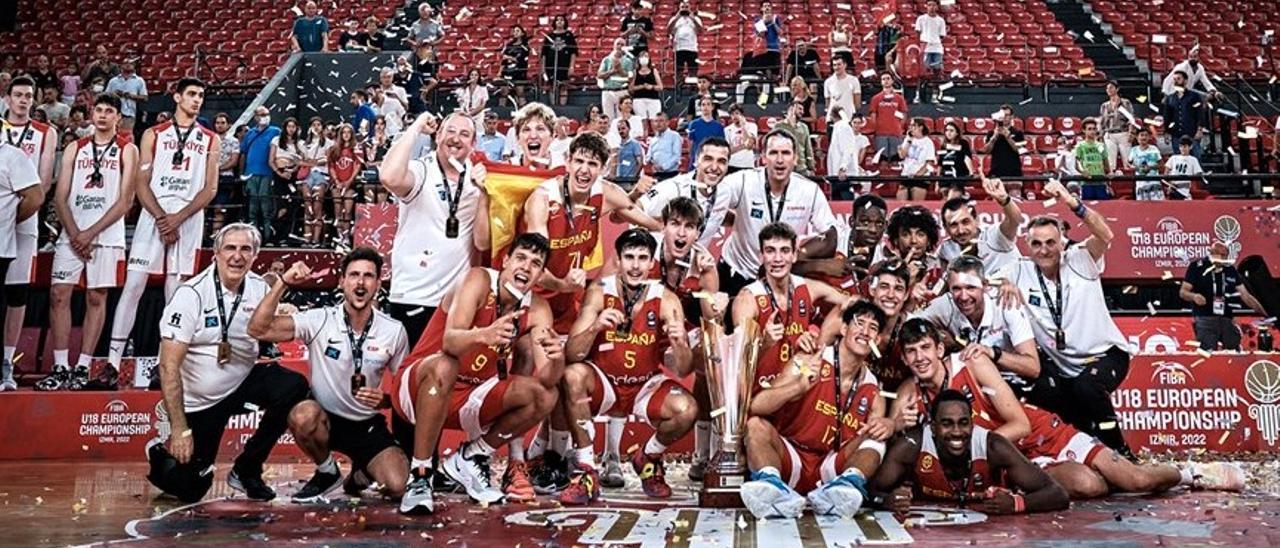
[[38, 141], [783, 304], [912, 237], [469, 369], [532, 124], [95, 190], [349, 347], [1082, 464], [857, 244], [178, 177], [819, 428], [626, 328], [954, 461]]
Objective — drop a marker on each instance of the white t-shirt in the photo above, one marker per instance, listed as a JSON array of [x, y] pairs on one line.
[[715, 205], [1086, 322], [995, 250], [919, 152], [839, 92], [192, 317], [999, 327], [1185, 166], [846, 145], [685, 34], [635, 128], [931, 30], [17, 173], [745, 158], [559, 151], [324, 331], [393, 109], [425, 263], [315, 151], [806, 209]]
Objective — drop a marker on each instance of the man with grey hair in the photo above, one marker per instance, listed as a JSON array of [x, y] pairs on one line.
[[208, 374], [426, 30], [614, 75], [395, 101], [255, 147]]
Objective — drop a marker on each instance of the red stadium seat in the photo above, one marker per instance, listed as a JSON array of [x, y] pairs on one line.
[[1068, 125], [979, 126], [1039, 125]]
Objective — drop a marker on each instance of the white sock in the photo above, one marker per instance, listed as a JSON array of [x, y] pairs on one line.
[[115, 352], [613, 438], [586, 455], [83, 361], [1188, 475], [854, 471], [9, 353], [477, 447], [428, 462], [561, 441], [329, 466], [540, 443], [702, 441], [60, 358], [770, 471], [654, 447], [516, 448]]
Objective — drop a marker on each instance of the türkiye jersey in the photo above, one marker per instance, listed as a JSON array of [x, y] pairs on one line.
[[32, 139], [90, 199], [796, 320], [478, 363], [631, 357], [175, 184], [810, 422], [931, 479], [573, 236]]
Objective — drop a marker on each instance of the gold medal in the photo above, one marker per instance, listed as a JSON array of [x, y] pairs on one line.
[[224, 352]]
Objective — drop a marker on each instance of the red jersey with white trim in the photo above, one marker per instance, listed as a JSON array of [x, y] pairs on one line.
[[811, 421], [633, 357], [89, 199], [684, 274], [344, 166], [32, 138], [176, 184], [478, 363], [932, 481], [573, 236], [799, 315]]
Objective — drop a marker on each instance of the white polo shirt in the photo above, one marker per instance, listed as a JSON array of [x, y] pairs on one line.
[[994, 249], [425, 263], [1087, 323], [806, 210], [17, 173], [999, 327], [324, 331], [714, 206], [192, 317]]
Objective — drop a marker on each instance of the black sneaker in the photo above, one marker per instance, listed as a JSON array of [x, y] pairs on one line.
[[551, 475], [252, 486], [320, 484], [79, 378], [59, 379], [107, 380], [442, 483], [355, 484]]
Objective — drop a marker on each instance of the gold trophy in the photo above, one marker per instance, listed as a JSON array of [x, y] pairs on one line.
[[731, 375]]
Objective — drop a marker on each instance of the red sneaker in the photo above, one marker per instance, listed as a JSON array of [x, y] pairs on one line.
[[584, 487], [652, 475], [515, 482]]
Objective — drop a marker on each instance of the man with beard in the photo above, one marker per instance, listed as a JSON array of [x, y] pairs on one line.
[[857, 247], [784, 305], [627, 328], [993, 244], [1078, 461], [349, 346], [954, 461], [178, 176], [821, 426], [488, 366], [702, 185], [38, 142]]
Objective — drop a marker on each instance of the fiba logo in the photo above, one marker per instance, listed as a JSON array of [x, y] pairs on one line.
[[1262, 381], [1227, 229], [1169, 224], [117, 406], [1170, 372]]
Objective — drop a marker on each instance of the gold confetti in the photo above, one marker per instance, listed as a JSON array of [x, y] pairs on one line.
[[1166, 275], [1223, 437]]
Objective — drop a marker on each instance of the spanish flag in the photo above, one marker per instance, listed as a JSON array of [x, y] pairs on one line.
[[508, 187]]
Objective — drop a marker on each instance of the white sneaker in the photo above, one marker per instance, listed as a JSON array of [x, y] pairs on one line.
[[767, 496], [1218, 476], [838, 497], [612, 476], [7, 384], [473, 475], [417, 497]]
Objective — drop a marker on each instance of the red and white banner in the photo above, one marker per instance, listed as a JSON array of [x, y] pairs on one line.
[[1173, 334]]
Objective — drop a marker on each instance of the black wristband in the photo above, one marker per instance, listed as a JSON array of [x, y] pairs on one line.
[[1008, 198]]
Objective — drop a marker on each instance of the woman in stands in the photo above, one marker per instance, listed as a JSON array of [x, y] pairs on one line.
[[372, 150], [646, 88], [919, 157], [515, 64], [313, 178], [284, 158], [800, 93], [840, 45], [955, 161], [558, 50], [344, 165]]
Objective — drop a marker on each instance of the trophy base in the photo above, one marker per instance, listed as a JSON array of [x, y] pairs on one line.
[[721, 490]]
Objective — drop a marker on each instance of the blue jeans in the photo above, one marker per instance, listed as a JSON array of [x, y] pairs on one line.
[[933, 61], [262, 203]]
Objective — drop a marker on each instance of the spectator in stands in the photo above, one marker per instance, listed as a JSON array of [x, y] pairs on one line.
[[371, 152], [889, 118], [1209, 285], [800, 94], [1091, 158], [1192, 75], [841, 45], [473, 97], [425, 70], [351, 38], [426, 30], [635, 124], [919, 158], [684, 27], [793, 123], [1065, 163], [847, 150], [78, 124], [286, 161], [931, 28], [614, 75], [1184, 112], [56, 111], [364, 115], [515, 62], [559, 148], [559, 47], [887, 46], [664, 149], [646, 88], [376, 38], [256, 147], [230, 188], [742, 136], [393, 101], [1002, 145], [490, 142], [803, 62], [1185, 165], [5, 78], [130, 88], [344, 169], [704, 127], [842, 89], [630, 155], [769, 28], [310, 31], [69, 82], [636, 28], [100, 68], [41, 73], [313, 178], [1116, 124], [955, 162], [692, 109], [1145, 161]]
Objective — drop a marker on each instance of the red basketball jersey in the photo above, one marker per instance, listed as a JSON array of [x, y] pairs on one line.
[[811, 421], [800, 314], [633, 357], [478, 363], [932, 481]]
